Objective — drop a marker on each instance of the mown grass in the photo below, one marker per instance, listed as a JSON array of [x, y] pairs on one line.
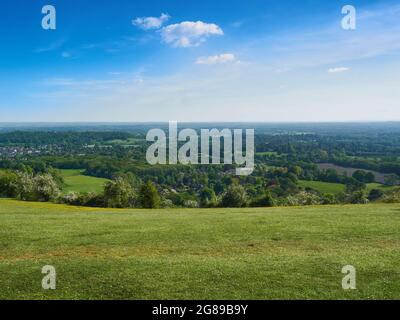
[[335, 188], [276, 253], [323, 187], [380, 186], [76, 181]]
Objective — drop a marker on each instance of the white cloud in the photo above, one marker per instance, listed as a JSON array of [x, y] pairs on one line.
[[338, 70], [148, 23], [189, 33], [221, 58]]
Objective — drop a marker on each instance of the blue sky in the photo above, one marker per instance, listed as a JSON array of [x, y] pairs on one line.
[[210, 60]]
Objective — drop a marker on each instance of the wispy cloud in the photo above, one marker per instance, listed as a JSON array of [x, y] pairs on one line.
[[189, 33], [51, 47], [148, 23], [217, 59], [338, 69]]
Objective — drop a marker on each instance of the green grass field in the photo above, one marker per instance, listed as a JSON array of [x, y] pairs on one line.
[[382, 187], [323, 187], [275, 253], [335, 188], [76, 181]]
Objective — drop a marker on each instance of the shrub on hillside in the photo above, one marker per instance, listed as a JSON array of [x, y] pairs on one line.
[[234, 197], [41, 187], [265, 201], [148, 196], [119, 194], [375, 194], [303, 198], [8, 184], [83, 199], [392, 197], [207, 198]]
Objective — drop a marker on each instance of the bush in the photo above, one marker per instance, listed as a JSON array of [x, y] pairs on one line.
[[148, 196], [45, 188], [357, 197], [166, 203], [83, 199], [392, 197], [375, 194], [329, 198], [208, 198], [71, 198], [119, 194], [266, 201], [191, 204], [234, 197], [41, 187], [303, 198], [8, 184]]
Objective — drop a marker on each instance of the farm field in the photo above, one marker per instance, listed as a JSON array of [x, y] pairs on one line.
[[382, 187], [274, 253], [335, 188], [323, 187], [379, 177], [76, 181]]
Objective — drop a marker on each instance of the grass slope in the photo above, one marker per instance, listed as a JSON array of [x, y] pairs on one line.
[[76, 181], [382, 187], [271, 253], [323, 187]]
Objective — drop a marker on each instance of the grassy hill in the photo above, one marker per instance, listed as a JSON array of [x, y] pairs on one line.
[[76, 181], [323, 187], [291, 253], [335, 188]]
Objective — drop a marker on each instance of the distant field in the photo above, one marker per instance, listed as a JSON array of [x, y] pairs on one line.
[[323, 187], [76, 181], [275, 253], [335, 188], [382, 187], [127, 142], [379, 177]]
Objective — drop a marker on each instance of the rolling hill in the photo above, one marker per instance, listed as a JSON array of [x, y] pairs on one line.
[[275, 253]]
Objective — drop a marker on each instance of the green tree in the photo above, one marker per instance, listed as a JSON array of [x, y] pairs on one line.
[[207, 198], [363, 176], [45, 188], [119, 194], [375, 194], [41, 187], [234, 197], [8, 184], [265, 201], [148, 196], [354, 185]]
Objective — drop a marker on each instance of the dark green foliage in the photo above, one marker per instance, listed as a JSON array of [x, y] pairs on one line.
[[148, 196], [364, 176], [375, 194], [8, 184], [234, 197], [265, 201], [208, 198], [354, 185]]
